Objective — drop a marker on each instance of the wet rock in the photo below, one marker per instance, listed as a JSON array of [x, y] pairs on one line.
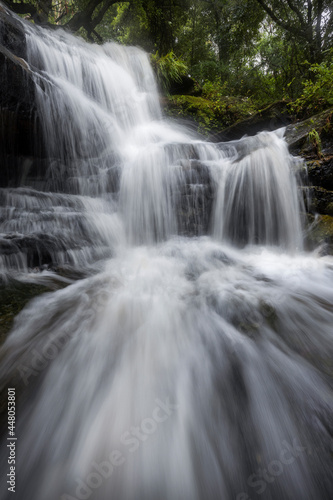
[[297, 134], [17, 114], [17, 86], [20, 136], [13, 297], [321, 200], [34, 251], [320, 233], [320, 173], [196, 198], [271, 118], [11, 33]]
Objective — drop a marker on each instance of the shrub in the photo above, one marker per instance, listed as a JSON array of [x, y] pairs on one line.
[[317, 92], [168, 68]]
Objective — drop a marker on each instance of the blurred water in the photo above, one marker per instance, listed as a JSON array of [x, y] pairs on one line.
[[179, 367]]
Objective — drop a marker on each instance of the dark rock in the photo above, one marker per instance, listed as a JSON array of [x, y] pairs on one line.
[[35, 250], [11, 33], [320, 233], [320, 173], [274, 116], [297, 134], [321, 200], [17, 99], [17, 114], [195, 199], [317, 151], [326, 137], [13, 297], [16, 84], [185, 85]]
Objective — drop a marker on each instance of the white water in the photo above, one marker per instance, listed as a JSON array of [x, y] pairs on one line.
[[191, 363]]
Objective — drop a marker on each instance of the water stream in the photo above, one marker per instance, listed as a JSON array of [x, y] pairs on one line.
[[193, 359]]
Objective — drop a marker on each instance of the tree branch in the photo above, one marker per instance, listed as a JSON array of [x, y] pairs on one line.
[[294, 31], [99, 17], [85, 17], [309, 12], [318, 24], [21, 8], [297, 12]]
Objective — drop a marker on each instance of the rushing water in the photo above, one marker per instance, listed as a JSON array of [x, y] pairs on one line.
[[193, 360]]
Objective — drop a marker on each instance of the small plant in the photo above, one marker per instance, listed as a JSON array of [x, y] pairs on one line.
[[328, 125], [168, 68], [314, 139], [317, 92]]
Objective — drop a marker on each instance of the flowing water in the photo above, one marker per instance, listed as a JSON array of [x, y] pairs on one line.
[[193, 359]]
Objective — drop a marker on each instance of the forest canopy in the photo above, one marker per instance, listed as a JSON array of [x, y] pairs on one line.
[[258, 49]]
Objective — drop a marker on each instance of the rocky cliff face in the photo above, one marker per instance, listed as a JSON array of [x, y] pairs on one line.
[[22, 156], [18, 121], [313, 140]]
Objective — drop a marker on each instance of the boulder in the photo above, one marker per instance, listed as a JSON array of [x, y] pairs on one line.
[[11, 33], [312, 139], [297, 134], [320, 173], [18, 119], [17, 115], [321, 200], [320, 233], [270, 118]]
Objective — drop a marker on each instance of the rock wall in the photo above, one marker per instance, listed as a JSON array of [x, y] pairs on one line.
[[18, 120], [22, 157], [313, 140]]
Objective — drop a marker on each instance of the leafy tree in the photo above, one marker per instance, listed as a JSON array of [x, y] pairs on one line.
[[263, 49], [72, 14], [156, 20], [234, 29], [317, 93], [164, 19], [310, 23]]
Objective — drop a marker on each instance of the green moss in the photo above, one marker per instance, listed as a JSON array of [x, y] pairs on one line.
[[210, 114], [325, 227], [13, 298], [322, 231]]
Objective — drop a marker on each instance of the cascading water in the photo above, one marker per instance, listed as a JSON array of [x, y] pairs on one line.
[[179, 367]]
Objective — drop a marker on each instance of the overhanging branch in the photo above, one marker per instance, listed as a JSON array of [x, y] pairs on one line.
[[298, 32]]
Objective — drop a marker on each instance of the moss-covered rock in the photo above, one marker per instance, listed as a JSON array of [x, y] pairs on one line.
[[209, 115], [274, 116], [320, 172], [302, 140], [13, 297], [321, 200], [321, 232]]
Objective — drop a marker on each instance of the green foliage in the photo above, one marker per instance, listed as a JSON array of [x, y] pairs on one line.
[[168, 68], [207, 69], [315, 140], [214, 90], [197, 108], [126, 23], [255, 50], [317, 92]]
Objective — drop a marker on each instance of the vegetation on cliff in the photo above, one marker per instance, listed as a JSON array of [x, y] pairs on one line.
[[260, 50]]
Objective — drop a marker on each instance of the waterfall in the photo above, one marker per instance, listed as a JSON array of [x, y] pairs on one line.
[[193, 357]]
